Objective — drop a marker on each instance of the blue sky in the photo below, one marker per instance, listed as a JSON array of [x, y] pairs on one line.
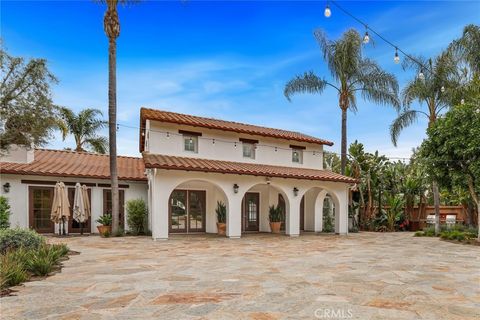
[[227, 60]]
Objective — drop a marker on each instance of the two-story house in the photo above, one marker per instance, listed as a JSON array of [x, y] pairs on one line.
[[194, 162]]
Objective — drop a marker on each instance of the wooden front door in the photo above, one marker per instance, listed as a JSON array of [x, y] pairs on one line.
[[107, 205], [187, 211], [40, 209], [74, 226], [250, 211]]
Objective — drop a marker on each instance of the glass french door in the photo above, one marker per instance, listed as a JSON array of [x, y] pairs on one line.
[[251, 207], [41, 200], [74, 226], [187, 211]]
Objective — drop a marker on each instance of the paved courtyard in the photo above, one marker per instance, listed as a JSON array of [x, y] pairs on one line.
[[362, 276]]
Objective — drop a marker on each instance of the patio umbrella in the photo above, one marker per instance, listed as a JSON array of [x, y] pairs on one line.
[[81, 205], [60, 206]]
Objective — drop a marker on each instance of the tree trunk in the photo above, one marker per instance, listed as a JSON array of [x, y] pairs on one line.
[[475, 197], [112, 129], [344, 140], [436, 203]]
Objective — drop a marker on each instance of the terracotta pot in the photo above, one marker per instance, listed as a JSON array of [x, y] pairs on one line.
[[104, 229], [275, 226], [221, 228]]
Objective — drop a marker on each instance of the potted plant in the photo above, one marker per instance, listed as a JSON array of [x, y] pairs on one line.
[[221, 211], [106, 225], [275, 216]]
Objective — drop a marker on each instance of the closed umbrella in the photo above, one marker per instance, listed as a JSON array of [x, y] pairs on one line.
[[81, 206], [60, 206]]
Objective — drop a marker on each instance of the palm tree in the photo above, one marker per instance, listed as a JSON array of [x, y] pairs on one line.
[[111, 26], [350, 73], [84, 127], [467, 47], [436, 89]]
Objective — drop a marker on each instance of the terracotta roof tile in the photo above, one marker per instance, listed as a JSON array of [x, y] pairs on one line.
[[76, 164], [219, 166], [190, 120]]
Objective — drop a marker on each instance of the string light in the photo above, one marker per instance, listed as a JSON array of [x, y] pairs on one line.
[[421, 76], [235, 145], [366, 37], [442, 89], [213, 141], [168, 134], [462, 101], [396, 58], [327, 12]]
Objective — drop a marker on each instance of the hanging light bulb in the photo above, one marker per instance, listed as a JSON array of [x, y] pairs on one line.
[[442, 89], [462, 101], [396, 58], [421, 76], [213, 141], [366, 37], [168, 134], [327, 12]]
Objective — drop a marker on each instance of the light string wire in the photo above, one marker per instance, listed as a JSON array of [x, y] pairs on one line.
[[168, 134], [367, 27]]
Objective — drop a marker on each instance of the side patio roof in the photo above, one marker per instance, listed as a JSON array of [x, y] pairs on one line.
[[230, 167]]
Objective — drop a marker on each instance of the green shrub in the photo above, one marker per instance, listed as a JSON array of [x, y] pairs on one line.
[[61, 249], [221, 212], [4, 213], [12, 269], [11, 239], [119, 233], [137, 215], [419, 234], [41, 262]]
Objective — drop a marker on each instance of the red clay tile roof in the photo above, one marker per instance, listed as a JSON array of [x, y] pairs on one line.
[[185, 119], [62, 163], [204, 165]]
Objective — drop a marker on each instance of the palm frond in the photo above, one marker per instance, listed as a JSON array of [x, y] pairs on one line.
[[404, 119], [98, 144], [306, 83]]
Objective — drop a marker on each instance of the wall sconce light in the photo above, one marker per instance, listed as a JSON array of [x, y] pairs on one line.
[[235, 188], [295, 191], [6, 187]]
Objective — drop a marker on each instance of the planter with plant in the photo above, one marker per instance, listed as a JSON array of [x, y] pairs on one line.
[[106, 225], [275, 216], [221, 211]]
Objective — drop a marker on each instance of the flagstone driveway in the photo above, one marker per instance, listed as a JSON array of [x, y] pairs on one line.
[[361, 276]]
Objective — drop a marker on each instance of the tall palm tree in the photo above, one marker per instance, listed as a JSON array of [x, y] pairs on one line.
[[435, 89], [111, 26], [350, 73], [84, 127]]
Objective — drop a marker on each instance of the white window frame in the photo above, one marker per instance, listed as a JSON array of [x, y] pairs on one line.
[[194, 141], [299, 156], [252, 150]]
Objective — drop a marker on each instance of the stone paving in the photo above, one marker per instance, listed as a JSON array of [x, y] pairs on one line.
[[261, 276]]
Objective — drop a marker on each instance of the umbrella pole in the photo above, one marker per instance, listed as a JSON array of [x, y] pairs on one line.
[[63, 222], [81, 228]]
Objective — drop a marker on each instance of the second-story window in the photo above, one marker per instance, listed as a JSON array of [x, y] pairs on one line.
[[249, 146], [297, 154], [190, 143], [190, 140], [249, 150]]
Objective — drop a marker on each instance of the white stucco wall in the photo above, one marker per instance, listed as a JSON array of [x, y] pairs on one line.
[[19, 200], [220, 186], [224, 148]]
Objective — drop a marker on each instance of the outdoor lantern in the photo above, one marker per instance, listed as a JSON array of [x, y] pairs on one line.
[[295, 191], [328, 13], [235, 188], [6, 187]]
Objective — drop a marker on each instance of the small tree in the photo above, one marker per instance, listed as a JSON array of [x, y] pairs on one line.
[[4, 213], [137, 215], [451, 152]]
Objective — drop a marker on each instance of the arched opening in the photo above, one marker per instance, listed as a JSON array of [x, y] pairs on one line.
[[192, 207], [256, 203], [321, 210]]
